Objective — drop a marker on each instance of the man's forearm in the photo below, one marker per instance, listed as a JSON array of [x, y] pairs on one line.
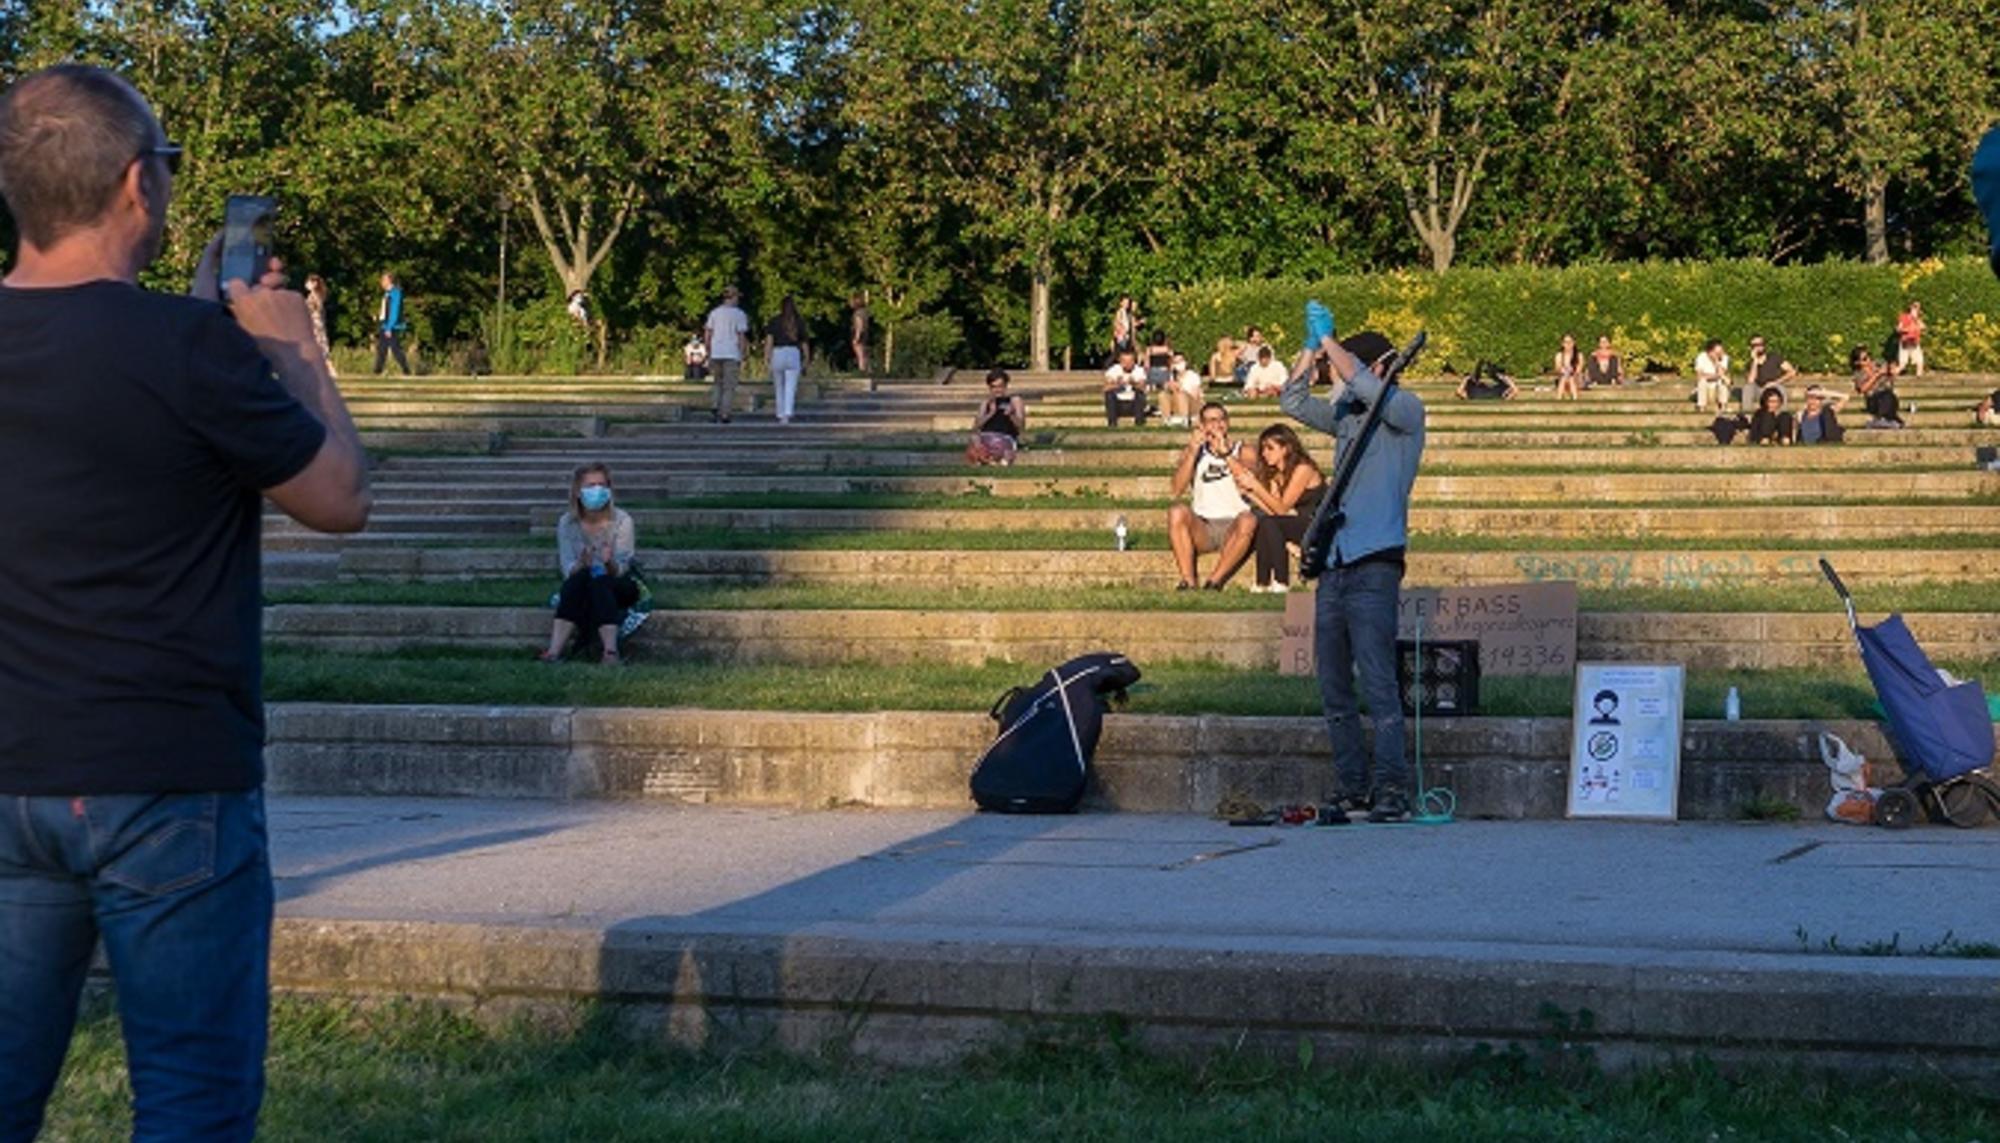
[[305, 375]]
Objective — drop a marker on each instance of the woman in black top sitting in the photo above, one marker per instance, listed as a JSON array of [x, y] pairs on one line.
[[1770, 424], [1283, 487], [996, 431], [1603, 366]]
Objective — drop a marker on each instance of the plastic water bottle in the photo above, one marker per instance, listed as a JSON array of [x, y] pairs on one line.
[[1118, 531], [1732, 706]]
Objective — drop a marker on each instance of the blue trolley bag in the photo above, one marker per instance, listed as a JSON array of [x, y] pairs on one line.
[[1040, 761]]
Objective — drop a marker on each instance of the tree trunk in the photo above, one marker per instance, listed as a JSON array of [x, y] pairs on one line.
[[888, 362], [1038, 314], [1875, 219]]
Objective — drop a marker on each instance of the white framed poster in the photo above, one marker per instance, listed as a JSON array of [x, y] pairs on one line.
[[1625, 741]]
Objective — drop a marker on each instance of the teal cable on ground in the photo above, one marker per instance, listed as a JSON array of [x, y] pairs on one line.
[[1434, 806]]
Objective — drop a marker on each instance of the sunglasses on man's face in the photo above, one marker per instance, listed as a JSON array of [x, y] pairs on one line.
[[170, 153]]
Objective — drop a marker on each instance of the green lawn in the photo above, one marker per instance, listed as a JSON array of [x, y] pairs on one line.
[[1083, 496], [1147, 536], [1980, 598], [452, 675], [406, 1072]]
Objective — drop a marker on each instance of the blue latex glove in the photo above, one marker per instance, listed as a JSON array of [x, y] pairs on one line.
[[1319, 324]]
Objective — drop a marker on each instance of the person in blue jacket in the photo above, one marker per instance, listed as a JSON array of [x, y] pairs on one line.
[[389, 325]]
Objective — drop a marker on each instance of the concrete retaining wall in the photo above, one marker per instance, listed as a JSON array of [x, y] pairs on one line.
[[1501, 768], [929, 1001]]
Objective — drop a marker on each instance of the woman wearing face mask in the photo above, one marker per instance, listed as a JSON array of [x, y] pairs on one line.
[[595, 543]]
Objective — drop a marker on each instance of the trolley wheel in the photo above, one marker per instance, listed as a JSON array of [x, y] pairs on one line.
[[1968, 802], [1897, 809]]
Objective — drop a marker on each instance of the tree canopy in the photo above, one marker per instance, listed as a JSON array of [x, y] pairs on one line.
[[1003, 169]]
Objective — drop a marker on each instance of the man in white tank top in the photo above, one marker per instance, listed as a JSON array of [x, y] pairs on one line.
[[1217, 518]]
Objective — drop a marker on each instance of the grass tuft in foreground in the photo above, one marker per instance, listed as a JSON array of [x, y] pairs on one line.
[[406, 1071]]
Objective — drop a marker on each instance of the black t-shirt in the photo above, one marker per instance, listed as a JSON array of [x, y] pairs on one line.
[[135, 432], [784, 334], [1772, 368]]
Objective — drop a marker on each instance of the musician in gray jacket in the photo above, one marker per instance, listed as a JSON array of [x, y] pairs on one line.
[[1355, 610]]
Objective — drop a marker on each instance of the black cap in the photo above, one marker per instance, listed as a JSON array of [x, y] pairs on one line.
[[1368, 345]]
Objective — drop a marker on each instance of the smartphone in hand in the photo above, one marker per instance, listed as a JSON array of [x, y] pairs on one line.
[[246, 238]]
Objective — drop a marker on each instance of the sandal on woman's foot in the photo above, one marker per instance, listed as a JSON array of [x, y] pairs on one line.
[[1183, 586], [610, 659], [545, 657]]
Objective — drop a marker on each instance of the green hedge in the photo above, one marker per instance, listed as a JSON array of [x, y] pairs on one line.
[[1654, 310]]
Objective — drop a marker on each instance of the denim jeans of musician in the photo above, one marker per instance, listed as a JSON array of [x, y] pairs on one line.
[[178, 886], [1354, 632]]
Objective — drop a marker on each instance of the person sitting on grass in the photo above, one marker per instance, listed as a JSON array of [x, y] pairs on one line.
[[595, 544], [1819, 421], [1284, 487], [1181, 395], [1603, 366], [1877, 385], [1568, 368], [1216, 518], [1987, 412], [1487, 382], [1125, 390], [1771, 424], [996, 431], [1267, 378]]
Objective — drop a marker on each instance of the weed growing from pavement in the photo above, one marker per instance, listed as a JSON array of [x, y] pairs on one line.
[[1949, 946]]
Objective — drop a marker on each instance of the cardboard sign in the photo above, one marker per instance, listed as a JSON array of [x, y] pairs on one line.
[[1625, 741], [1522, 629]]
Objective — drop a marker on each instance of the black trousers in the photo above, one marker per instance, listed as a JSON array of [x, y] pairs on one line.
[[1116, 406], [386, 343], [1274, 563], [593, 601]]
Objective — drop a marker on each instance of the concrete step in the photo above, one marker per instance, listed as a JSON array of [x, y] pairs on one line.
[[1717, 568], [466, 425], [1846, 522], [1511, 768], [1438, 460], [755, 432], [1248, 640], [1719, 488], [920, 937]]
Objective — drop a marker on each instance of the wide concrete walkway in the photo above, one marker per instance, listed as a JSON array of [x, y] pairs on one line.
[[915, 934]]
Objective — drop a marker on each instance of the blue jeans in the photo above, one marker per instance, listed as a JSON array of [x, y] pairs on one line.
[[1354, 617], [178, 886]]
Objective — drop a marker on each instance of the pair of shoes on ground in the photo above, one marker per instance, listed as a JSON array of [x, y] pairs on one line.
[[1387, 807], [1273, 588]]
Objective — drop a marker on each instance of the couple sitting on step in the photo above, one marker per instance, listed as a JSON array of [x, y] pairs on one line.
[[1240, 500], [603, 593]]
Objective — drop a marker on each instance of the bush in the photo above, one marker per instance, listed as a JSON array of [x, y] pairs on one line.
[[924, 343], [1663, 312]]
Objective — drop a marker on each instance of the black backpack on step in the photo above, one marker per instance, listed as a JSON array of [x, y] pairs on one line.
[[1048, 735]]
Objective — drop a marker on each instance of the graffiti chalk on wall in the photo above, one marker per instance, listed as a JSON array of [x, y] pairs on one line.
[[1688, 571]]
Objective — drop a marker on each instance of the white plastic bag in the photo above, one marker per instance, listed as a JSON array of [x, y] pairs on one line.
[[1853, 802]]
